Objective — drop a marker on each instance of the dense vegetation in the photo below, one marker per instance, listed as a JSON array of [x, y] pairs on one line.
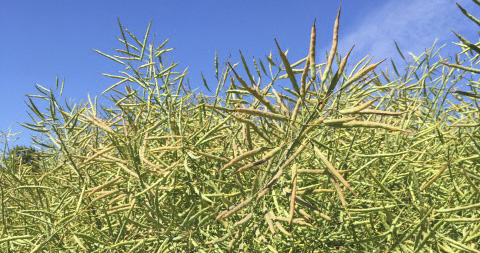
[[284, 156]]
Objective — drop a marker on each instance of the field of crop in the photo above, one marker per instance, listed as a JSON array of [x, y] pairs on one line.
[[286, 156]]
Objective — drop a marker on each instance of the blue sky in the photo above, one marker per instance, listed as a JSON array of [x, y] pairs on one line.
[[42, 40]]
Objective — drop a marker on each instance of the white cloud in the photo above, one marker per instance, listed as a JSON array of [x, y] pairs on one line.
[[414, 24]]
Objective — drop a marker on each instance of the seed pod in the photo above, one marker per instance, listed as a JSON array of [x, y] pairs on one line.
[[293, 194], [282, 229], [261, 161], [357, 109], [209, 155], [303, 79], [435, 177], [242, 157], [244, 220], [221, 239], [333, 50], [268, 219], [380, 112], [311, 56], [280, 102], [331, 169], [255, 92], [298, 221], [340, 195], [361, 73], [256, 112], [370, 124], [114, 181], [305, 214], [234, 209], [288, 68], [339, 121], [315, 191]]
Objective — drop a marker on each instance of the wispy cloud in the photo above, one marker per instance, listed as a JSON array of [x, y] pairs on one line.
[[414, 24]]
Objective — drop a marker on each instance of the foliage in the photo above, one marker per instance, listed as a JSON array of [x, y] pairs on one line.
[[28, 155], [290, 157]]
